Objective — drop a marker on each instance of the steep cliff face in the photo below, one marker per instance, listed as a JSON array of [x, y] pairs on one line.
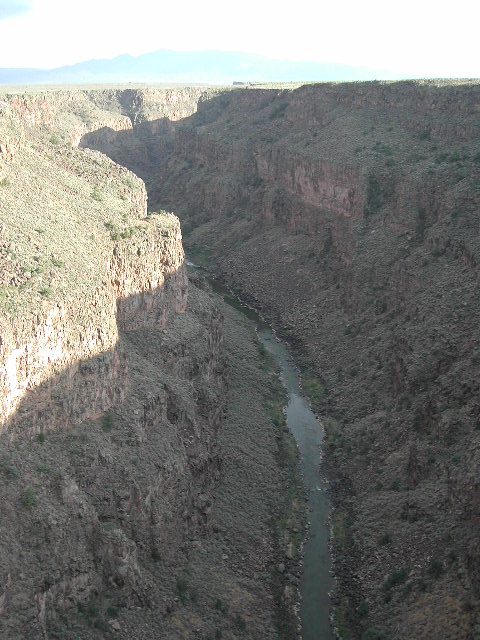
[[109, 415], [136, 500], [74, 273], [96, 517], [349, 214], [72, 113]]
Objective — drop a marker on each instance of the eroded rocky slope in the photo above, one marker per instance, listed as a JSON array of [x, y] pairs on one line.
[[120, 512], [349, 213]]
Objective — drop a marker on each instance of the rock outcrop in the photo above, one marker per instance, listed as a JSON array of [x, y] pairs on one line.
[[48, 341]]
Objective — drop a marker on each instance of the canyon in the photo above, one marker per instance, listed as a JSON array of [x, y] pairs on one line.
[[346, 213], [132, 408]]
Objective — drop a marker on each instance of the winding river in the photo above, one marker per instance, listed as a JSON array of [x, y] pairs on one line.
[[316, 581]]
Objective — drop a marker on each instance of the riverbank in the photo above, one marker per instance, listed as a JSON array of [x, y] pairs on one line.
[[314, 581], [244, 577]]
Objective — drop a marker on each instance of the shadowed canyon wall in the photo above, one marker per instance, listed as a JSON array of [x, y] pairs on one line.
[[135, 498], [91, 379], [349, 214]]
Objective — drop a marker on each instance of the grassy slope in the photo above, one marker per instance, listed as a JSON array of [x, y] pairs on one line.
[[55, 205]]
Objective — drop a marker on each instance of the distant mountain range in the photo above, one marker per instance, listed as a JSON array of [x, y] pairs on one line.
[[202, 67]]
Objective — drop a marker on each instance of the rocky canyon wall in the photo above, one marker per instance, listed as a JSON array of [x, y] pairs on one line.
[[349, 214], [49, 341], [111, 386]]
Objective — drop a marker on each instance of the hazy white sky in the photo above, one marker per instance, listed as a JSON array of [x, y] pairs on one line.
[[412, 37]]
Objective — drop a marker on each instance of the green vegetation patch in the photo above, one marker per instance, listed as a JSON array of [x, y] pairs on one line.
[[29, 499], [108, 422], [396, 578], [341, 528], [342, 618], [314, 390], [278, 111], [375, 196], [182, 588]]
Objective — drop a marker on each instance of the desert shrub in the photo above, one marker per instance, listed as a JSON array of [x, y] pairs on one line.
[[116, 234], [395, 486], [96, 195], [128, 233], [12, 473], [130, 182], [375, 196], [276, 413], [44, 468], [102, 625], [182, 588], [241, 623], [340, 528], [221, 606], [441, 157], [262, 351], [313, 388], [395, 578], [385, 539], [28, 499], [46, 292], [421, 222], [278, 111], [108, 422], [435, 568]]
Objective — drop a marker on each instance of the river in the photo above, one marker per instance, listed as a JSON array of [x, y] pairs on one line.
[[316, 581]]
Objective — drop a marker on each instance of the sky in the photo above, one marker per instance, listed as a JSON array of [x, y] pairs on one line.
[[415, 38]]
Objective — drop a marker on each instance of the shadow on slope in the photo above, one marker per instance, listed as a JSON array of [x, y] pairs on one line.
[[106, 470]]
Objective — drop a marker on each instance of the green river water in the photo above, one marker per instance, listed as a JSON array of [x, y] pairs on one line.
[[316, 581]]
